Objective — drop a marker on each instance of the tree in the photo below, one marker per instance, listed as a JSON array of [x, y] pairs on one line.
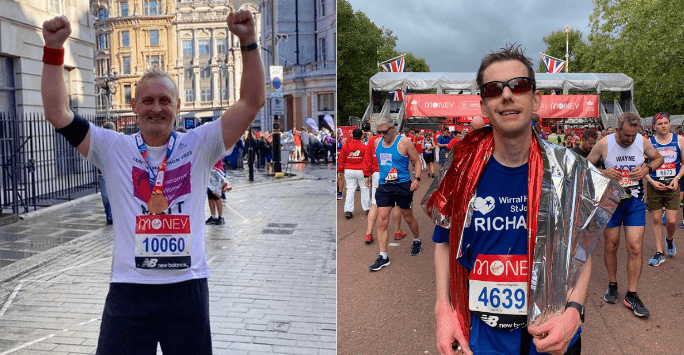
[[361, 45], [555, 47], [643, 40], [358, 41]]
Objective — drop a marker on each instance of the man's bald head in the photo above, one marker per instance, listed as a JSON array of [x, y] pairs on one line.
[[477, 123]]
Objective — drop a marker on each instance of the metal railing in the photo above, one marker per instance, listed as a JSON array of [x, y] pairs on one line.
[[39, 167]]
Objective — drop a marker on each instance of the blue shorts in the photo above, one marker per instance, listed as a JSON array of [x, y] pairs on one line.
[[630, 212], [137, 316]]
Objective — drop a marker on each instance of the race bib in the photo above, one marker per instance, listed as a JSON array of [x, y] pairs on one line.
[[667, 170], [385, 159], [625, 181], [162, 242], [498, 290], [392, 176]]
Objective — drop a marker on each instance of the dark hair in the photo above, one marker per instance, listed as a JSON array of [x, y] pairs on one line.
[[588, 134], [510, 52]]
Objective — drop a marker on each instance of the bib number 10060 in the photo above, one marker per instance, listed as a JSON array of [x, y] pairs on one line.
[[163, 245], [506, 298]]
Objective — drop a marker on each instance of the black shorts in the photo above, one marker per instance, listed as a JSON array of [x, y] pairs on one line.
[[429, 158], [389, 195], [136, 317], [212, 196]]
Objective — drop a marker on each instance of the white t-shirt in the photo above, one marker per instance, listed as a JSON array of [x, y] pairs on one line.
[[128, 185]]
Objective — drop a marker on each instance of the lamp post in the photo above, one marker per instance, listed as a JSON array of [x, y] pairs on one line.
[[108, 89], [567, 56], [222, 77]]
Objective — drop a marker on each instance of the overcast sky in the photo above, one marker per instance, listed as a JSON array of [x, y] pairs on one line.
[[454, 35]]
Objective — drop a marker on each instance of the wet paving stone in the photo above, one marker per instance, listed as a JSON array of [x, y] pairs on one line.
[[11, 237], [88, 227], [14, 229], [72, 234], [15, 254]]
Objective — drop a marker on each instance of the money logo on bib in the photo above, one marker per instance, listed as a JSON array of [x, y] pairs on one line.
[[498, 290]]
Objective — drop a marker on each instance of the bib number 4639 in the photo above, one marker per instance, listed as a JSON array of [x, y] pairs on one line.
[[506, 298]]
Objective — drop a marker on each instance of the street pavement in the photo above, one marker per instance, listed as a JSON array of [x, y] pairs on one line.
[[391, 311], [273, 265]]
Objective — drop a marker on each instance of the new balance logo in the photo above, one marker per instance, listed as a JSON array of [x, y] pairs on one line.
[[490, 320], [149, 263]]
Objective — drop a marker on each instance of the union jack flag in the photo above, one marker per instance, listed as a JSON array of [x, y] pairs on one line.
[[395, 66], [553, 65]]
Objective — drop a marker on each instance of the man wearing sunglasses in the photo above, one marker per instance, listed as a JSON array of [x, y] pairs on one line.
[[498, 227], [395, 186], [623, 153]]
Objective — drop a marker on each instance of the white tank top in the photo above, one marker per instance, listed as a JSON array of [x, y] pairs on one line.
[[626, 159]]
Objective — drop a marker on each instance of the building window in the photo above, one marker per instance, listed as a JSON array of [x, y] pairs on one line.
[[124, 9], [102, 14], [127, 94], [126, 65], [204, 48], [326, 102], [125, 39], [321, 49], [221, 46], [187, 49], [322, 7], [224, 94], [152, 7], [154, 37], [189, 95], [206, 94], [155, 61], [189, 73], [205, 72], [103, 41]]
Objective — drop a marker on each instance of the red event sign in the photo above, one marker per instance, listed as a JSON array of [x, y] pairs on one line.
[[569, 106], [345, 132], [432, 105], [552, 106]]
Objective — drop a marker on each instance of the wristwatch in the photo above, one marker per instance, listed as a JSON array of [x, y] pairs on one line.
[[418, 179], [578, 307]]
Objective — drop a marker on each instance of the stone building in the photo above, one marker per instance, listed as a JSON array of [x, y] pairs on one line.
[[21, 53], [300, 36]]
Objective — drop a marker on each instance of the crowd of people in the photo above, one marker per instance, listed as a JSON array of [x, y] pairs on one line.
[[626, 154]]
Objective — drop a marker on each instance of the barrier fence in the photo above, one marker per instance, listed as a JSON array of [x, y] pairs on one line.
[[39, 167]]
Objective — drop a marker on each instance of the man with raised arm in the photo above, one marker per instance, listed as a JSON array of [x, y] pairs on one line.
[[158, 292]]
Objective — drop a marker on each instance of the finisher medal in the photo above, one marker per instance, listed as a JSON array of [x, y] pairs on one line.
[[157, 204]]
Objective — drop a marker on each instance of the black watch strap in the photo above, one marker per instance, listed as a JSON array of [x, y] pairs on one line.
[[418, 178], [578, 307], [250, 47]]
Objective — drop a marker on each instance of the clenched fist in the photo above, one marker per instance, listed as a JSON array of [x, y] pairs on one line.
[[56, 31], [241, 24]]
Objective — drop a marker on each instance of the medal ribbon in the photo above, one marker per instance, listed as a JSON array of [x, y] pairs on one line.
[[156, 180]]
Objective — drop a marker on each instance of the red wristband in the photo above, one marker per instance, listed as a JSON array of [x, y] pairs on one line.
[[53, 56]]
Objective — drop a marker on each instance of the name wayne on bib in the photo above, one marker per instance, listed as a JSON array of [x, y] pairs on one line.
[[498, 290], [162, 242]]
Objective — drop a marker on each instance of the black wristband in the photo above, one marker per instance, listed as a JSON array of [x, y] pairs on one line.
[[418, 179], [250, 47], [578, 307], [650, 169], [75, 131]]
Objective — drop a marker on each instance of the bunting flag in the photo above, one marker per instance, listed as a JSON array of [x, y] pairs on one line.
[[395, 66], [553, 65]]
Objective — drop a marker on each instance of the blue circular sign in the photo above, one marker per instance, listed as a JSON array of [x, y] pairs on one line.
[[276, 83]]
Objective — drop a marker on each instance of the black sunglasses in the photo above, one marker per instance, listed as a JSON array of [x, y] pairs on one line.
[[518, 85], [385, 131]]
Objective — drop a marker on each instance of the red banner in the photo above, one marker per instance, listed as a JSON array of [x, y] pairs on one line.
[[569, 106], [552, 106], [432, 105], [345, 131]]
